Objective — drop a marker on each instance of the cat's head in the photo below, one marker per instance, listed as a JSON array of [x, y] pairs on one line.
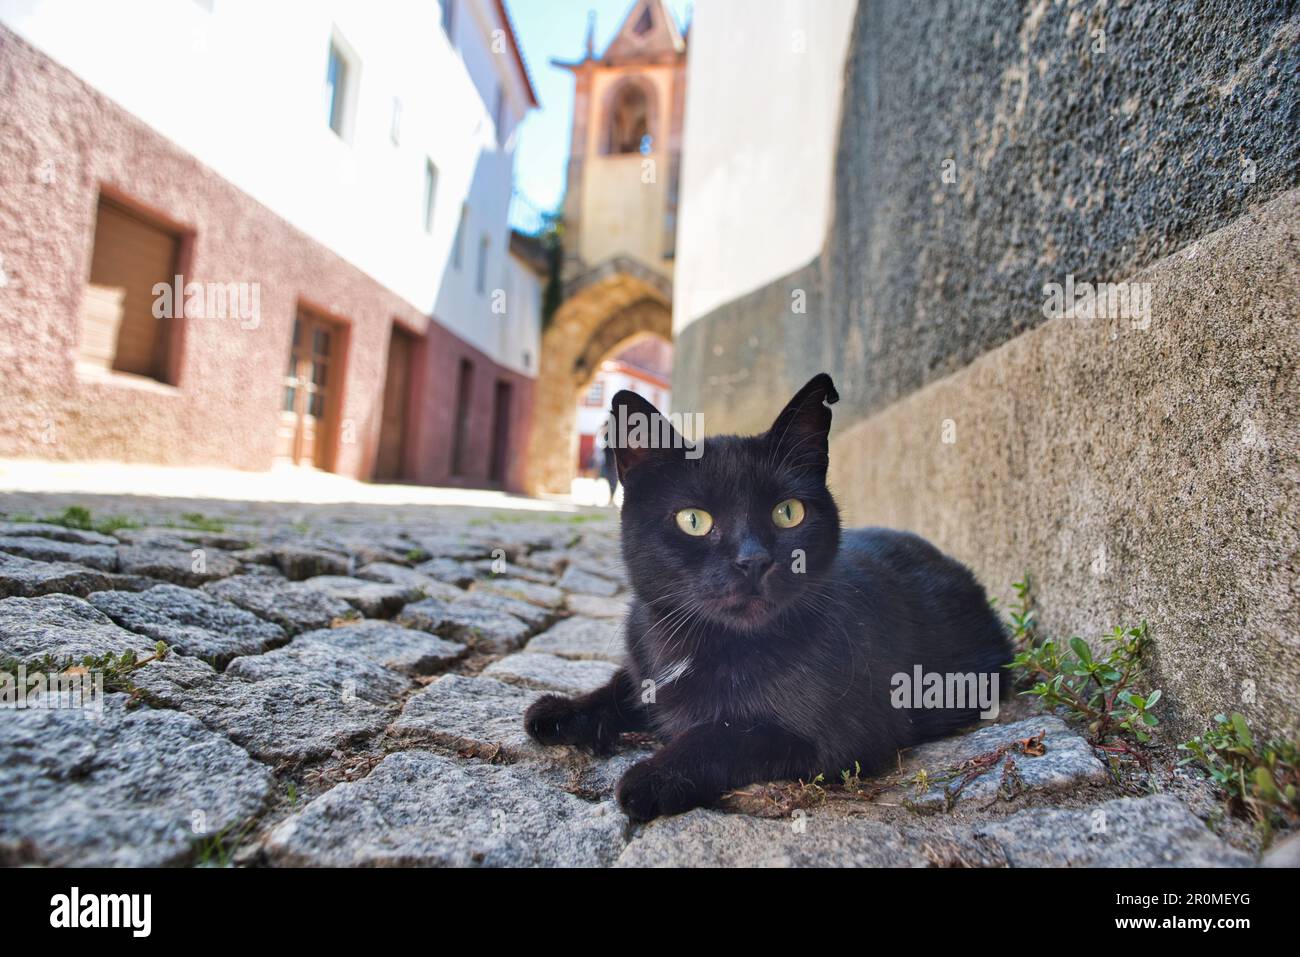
[[739, 529]]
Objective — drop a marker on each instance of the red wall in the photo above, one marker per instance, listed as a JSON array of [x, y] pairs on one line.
[[224, 405]]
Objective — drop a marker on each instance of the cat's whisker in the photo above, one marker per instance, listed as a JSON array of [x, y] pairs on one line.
[[686, 610], [696, 614]]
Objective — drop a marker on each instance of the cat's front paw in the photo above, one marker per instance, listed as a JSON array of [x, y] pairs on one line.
[[554, 719], [653, 788]]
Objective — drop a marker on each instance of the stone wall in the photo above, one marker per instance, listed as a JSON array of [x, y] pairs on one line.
[[1134, 474], [988, 149]]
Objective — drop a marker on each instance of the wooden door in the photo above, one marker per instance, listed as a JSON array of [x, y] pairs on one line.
[[464, 403], [391, 462], [500, 433], [307, 412]]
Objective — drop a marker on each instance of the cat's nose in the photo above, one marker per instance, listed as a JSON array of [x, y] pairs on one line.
[[753, 560]]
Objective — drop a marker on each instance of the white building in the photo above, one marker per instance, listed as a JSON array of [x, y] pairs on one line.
[[384, 132], [426, 90], [765, 121]]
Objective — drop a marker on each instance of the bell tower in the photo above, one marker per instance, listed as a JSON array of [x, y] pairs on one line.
[[625, 151]]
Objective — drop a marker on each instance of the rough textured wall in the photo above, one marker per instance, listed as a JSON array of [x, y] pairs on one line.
[[60, 143], [1135, 473], [1065, 159]]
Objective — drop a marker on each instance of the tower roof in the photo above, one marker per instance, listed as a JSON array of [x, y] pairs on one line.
[[648, 33]]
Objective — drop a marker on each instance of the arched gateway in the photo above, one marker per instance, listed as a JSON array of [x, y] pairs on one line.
[[602, 310]]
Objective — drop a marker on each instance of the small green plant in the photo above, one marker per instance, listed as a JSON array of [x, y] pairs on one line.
[[202, 522], [114, 523], [75, 516], [1021, 615], [1262, 779], [1097, 690], [416, 555], [816, 788], [218, 850], [115, 669], [921, 781], [852, 780], [79, 517]]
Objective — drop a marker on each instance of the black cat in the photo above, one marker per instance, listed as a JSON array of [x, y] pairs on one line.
[[761, 643]]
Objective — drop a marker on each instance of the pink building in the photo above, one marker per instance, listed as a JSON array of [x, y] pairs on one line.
[[350, 296]]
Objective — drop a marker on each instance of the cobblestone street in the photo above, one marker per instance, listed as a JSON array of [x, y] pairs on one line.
[[345, 686]]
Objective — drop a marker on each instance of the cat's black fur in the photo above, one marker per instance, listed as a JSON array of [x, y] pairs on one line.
[[761, 671]]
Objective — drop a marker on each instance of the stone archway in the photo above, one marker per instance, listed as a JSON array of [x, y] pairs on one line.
[[602, 308]]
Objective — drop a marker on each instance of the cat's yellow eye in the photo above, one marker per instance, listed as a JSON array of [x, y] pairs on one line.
[[694, 521], [788, 514]]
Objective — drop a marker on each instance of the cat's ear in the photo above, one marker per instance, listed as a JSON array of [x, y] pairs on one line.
[[638, 432], [799, 435]]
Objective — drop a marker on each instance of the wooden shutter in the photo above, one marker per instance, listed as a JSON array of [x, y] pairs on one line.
[[130, 257]]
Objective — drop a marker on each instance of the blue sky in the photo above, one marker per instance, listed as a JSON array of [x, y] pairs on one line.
[[556, 29]]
